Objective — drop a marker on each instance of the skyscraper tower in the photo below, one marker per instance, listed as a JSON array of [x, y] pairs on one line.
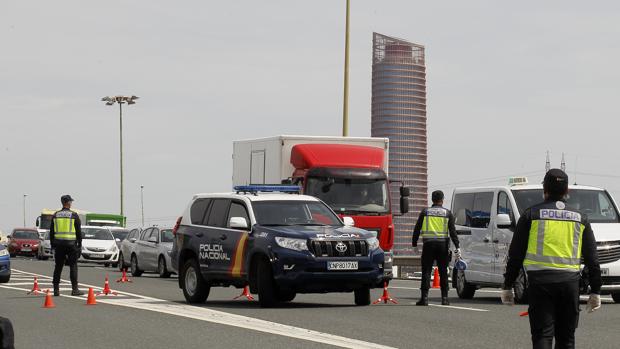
[[399, 113]]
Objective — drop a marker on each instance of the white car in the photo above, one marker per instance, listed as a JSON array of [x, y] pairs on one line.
[[45, 247], [99, 246]]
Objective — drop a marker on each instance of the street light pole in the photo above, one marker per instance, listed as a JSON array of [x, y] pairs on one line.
[[25, 195], [345, 105], [110, 100], [142, 202]]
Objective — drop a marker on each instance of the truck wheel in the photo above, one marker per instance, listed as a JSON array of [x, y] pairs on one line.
[[286, 296], [195, 288], [616, 297], [121, 262], [135, 271], [520, 288], [5, 278], [464, 289], [362, 296], [266, 286], [162, 270]]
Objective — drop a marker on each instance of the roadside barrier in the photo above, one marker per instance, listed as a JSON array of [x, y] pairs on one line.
[[385, 298], [124, 278], [106, 288], [246, 293], [35, 288], [436, 283], [91, 297], [49, 303]]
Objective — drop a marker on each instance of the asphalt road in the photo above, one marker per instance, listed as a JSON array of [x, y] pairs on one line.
[[151, 313]]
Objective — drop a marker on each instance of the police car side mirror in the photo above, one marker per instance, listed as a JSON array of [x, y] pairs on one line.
[[348, 221], [238, 223], [504, 221]]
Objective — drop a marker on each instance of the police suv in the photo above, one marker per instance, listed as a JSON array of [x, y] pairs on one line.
[[278, 243], [486, 219]]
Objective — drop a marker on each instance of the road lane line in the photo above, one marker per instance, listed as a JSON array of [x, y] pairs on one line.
[[223, 318], [455, 307]]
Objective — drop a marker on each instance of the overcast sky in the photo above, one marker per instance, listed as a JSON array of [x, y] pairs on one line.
[[507, 81]]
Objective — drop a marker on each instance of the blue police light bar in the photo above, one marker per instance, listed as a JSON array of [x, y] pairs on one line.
[[267, 188]]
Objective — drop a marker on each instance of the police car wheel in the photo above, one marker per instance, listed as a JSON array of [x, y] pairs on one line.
[[162, 270], [464, 289], [616, 297], [5, 278], [135, 271], [286, 296], [266, 286], [520, 289], [362, 296], [195, 288]]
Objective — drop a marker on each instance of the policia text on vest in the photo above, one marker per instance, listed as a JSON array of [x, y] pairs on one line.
[[550, 242], [66, 240]]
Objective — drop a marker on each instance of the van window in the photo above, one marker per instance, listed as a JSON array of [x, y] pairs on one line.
[[238, 210], [504, 206], [197, 212], [218, 213], [473, 209]]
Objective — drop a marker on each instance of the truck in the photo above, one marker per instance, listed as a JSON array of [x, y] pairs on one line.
[[87, 218], [44, 221], [350, 174]]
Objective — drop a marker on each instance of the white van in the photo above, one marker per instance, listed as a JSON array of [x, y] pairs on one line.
[[486, 219]]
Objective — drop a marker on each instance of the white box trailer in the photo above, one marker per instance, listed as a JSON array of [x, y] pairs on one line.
[[268, 160]]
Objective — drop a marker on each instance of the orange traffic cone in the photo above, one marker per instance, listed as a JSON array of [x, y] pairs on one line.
[[124, 278], [35, 288], [91, 297], [106, 288], [49, 303], [386, 296], [436, 283], [525, 313], [245, 293]]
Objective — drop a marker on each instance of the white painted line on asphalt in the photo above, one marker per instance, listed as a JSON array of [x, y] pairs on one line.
[[417, 288], [455, 307], [223, 318]]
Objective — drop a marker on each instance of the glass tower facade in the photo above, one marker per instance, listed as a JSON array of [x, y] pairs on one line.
[[399, 113]]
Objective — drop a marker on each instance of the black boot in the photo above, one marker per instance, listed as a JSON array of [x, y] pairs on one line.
[[424, 299], [445, 301], [56, 291], [76, 292]]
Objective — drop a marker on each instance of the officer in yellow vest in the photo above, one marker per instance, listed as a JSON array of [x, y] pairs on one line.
[[436, 226], [66, 240], [550, 241]]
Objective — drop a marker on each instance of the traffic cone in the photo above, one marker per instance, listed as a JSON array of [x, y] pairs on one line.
[[106, 288], [525, 313], [436, 283], [124, 278], [35, 288], [49, 303], [386, 296], [91, 297], [245, 293]]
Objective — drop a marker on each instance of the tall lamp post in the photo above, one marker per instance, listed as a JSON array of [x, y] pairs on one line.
[[142, 202], [110, 100], [345, 105], [25, 195]]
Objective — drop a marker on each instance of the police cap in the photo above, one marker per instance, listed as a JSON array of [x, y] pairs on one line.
[[66, 198], [556, 182], [437, 196]]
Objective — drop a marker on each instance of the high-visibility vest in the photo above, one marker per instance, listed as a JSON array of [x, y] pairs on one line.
[[435, 224], [64, 226], [555, 241]]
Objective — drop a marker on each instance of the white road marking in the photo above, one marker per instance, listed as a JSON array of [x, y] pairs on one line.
[[455, 307], [223, 318]]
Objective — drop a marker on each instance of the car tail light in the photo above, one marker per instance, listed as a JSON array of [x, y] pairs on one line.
[[176, 226]]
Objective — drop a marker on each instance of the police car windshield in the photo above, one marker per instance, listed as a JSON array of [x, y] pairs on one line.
[[294, 213], [349, 195], [96, 234], [26, 235], [596, 204]]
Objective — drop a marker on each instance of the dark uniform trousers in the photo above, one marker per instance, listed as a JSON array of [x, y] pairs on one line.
[[554, 312], [68, 254], [435, 251]]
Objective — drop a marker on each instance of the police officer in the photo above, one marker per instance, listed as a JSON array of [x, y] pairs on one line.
[[436, 226], [66, 240], [546, 243]]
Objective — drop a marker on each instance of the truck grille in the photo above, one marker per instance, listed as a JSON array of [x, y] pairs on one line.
[[357, 248], [608, 251]]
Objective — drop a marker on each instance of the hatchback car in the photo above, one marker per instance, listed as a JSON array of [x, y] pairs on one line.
[[45, 247], [119, 234], [152, 252], [99, 246], [24, 241], [127, 247], [5, 264]]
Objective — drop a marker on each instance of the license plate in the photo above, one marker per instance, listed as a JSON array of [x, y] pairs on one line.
[[96, 256], [27, 249], [604, 272], [342, 266]]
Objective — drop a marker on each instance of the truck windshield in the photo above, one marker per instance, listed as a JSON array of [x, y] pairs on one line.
[[596, 204], [351, 195], [46, 221], [294, 213]]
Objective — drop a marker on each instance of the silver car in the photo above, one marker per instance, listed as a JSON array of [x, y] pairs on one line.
[[127, 247], [152, 252], [45, 247]]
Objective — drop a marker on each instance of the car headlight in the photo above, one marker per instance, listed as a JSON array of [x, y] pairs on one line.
[[113, 248], [373, 243], [292, 244], [4, 253]]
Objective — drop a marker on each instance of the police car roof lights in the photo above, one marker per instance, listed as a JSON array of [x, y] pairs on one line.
[[267, 188]]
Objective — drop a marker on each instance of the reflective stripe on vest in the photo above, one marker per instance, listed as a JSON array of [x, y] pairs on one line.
[[555, 245], [64, 226], [435, 224]]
